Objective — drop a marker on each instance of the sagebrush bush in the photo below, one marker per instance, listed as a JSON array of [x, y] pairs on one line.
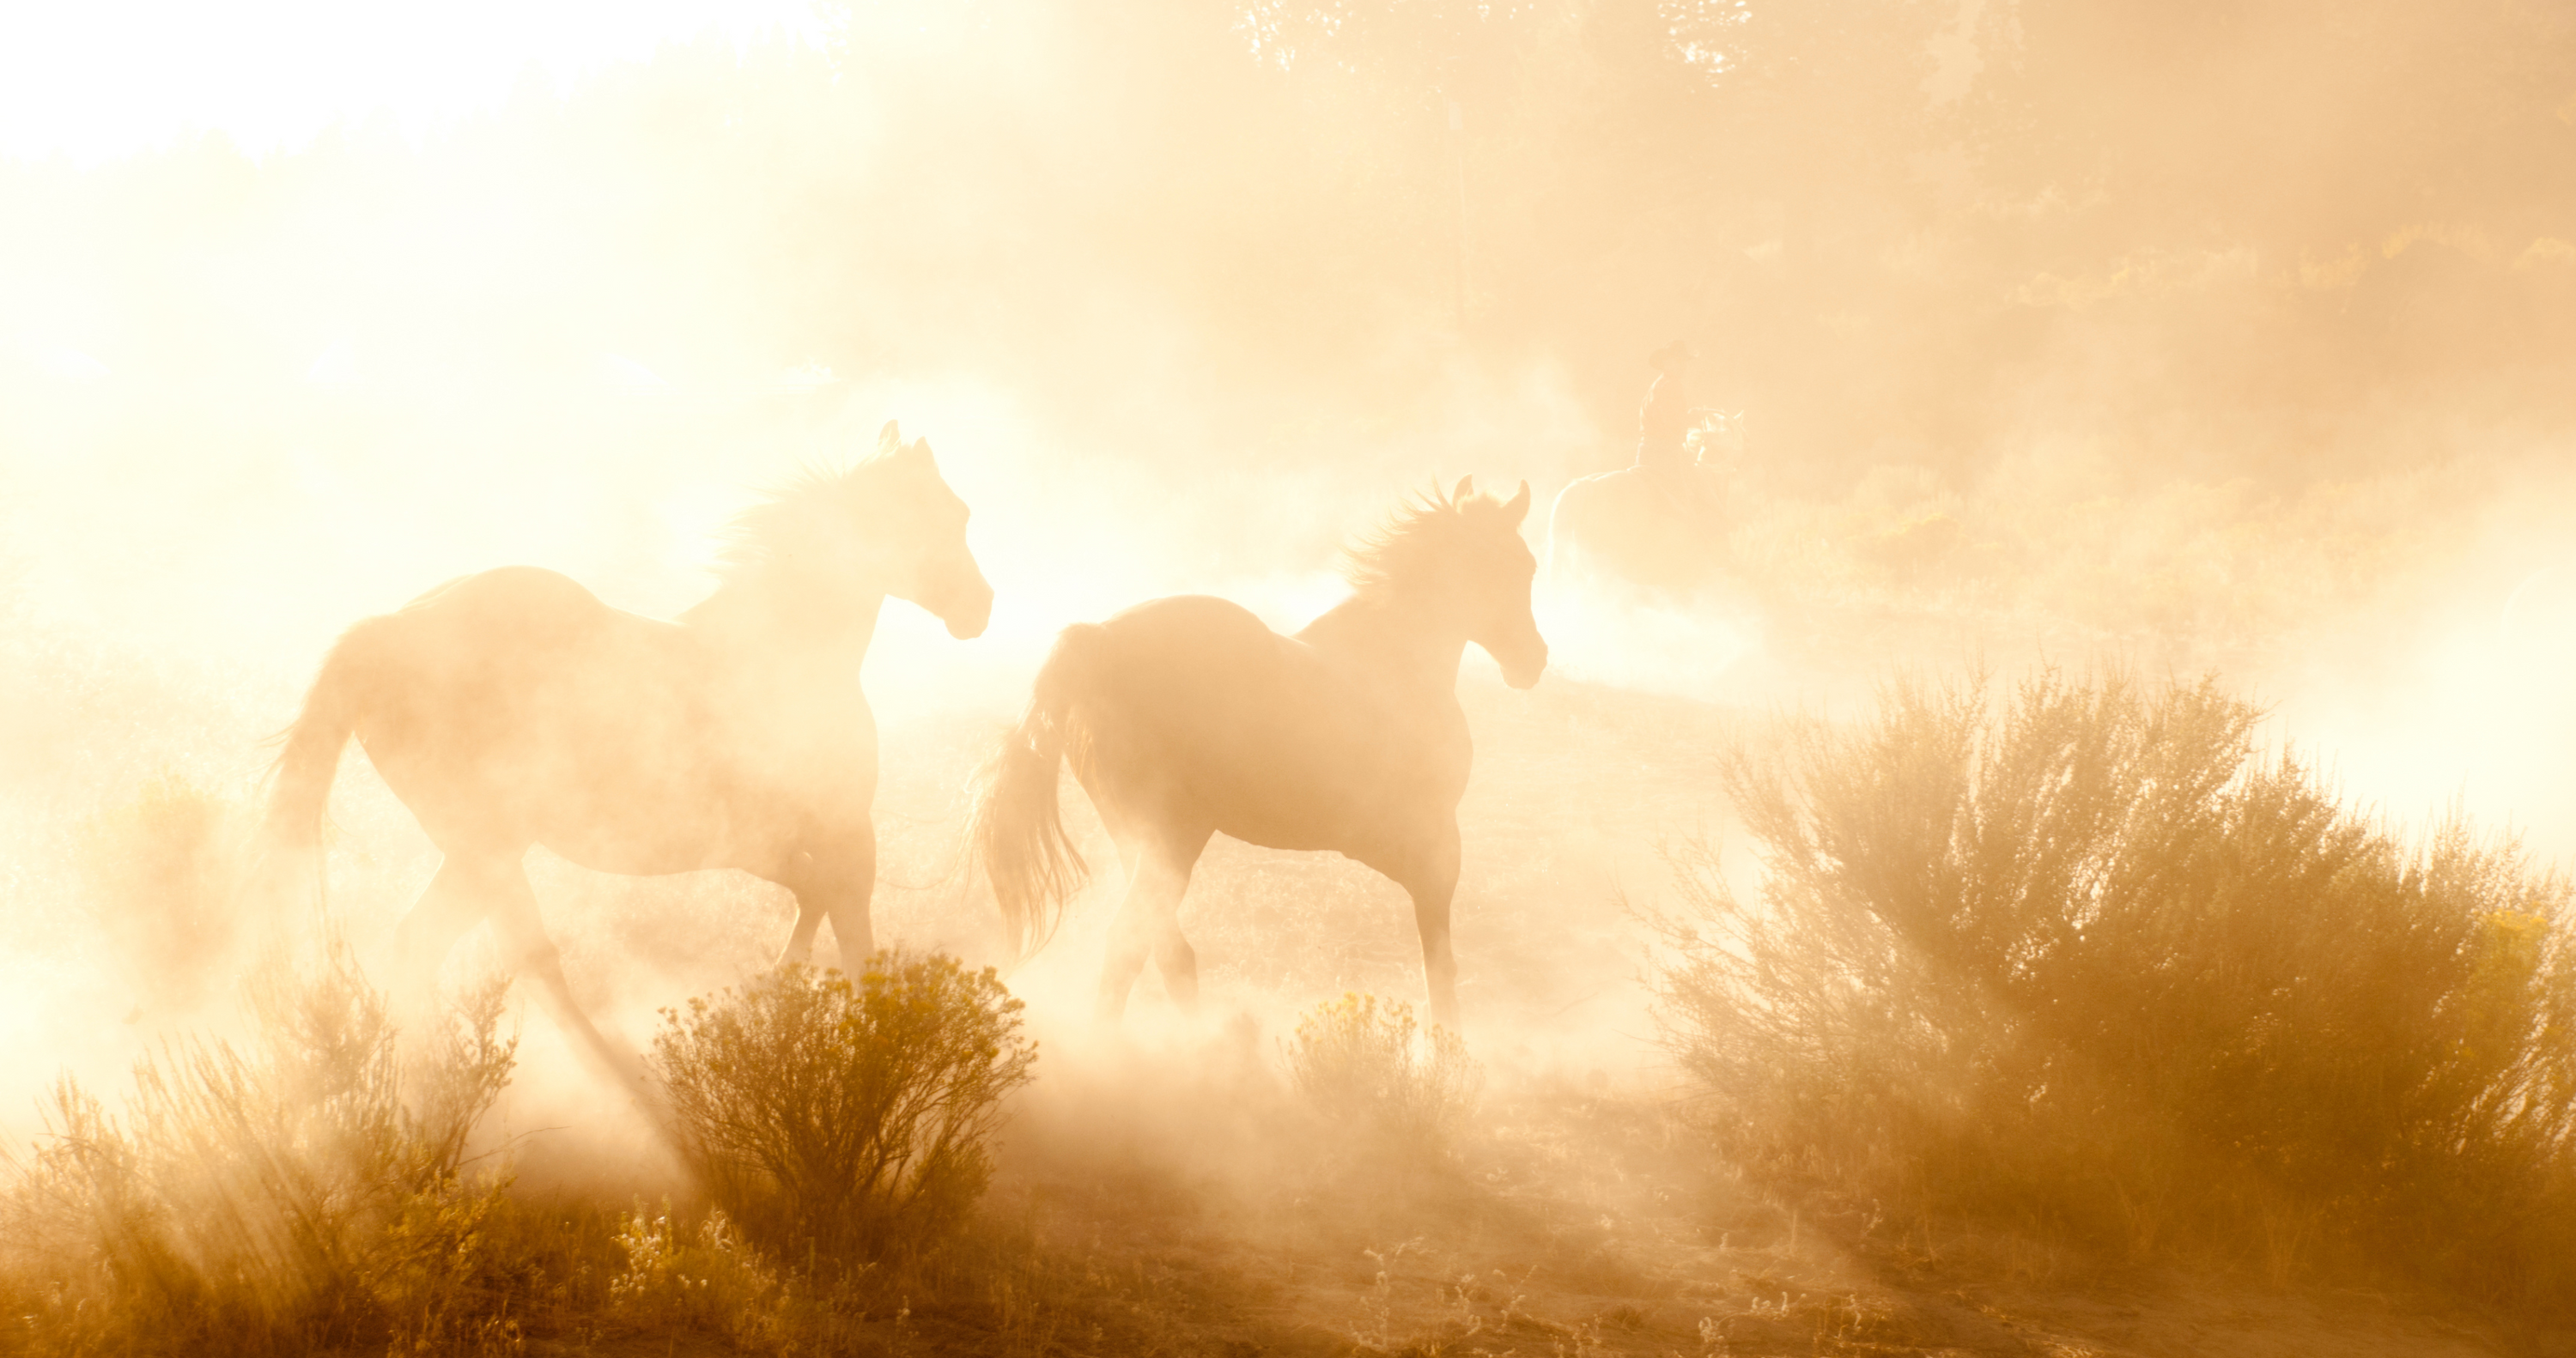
[[1362, 1060], [303, 1194], [845, 1116], [2093, 960]]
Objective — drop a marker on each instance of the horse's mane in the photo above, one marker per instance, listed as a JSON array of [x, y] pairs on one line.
[[1421, 531], [815, 497]]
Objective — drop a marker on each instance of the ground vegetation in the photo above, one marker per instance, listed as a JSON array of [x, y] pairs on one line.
[[2087, 958]]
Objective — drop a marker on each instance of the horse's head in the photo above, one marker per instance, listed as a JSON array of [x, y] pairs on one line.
[[913, 528], [1495, 570], [923, 531], [1463, 554]]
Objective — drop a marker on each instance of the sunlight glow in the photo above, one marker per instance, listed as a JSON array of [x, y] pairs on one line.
[[94, 82]]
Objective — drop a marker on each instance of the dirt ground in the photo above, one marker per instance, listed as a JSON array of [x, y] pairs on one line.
[[1580, 1224], [1171, 1173], [1585, 1212], [1218, 1217]]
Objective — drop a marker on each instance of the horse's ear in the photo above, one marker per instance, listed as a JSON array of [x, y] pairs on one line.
[[889, 439], [919, 448], [1517, 508], [1466, 487]]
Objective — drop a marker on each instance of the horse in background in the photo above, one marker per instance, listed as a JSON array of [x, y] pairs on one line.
[[1187, 716], [513, 708], [1658, 527]]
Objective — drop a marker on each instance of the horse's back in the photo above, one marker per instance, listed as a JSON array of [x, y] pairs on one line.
[[514, 705], [1570, 520], [1606, 502], [510, 640], [515, 603], [1198, 707], [1187, 660], [1201, 616], [1640, 525], [1192, 634]]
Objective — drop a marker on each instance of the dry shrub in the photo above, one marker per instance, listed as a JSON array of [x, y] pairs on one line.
[[305, 1194], [2094, 962], [840, 1117], [1364, 1061]]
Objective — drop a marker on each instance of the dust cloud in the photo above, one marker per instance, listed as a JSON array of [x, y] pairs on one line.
[[2239, 340]]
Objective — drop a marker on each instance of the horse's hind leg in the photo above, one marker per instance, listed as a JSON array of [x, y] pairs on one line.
[[454, 903], [533, 955], [834, 882], [1158, 875]]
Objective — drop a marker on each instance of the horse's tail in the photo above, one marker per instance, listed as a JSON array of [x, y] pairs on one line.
[[1017, 828], [300, 778]]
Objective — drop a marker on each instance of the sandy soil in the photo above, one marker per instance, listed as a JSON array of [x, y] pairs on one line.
[[1584, 1212]]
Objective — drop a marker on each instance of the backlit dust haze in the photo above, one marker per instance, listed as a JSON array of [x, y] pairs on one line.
[[2187, 338]]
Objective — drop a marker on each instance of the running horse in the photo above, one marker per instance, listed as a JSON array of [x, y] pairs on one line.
[[1187, 716], [513, 708]]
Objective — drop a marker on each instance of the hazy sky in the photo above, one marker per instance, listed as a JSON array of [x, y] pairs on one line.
[[99, 80]]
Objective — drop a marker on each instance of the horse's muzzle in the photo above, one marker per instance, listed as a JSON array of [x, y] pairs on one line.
[[967, 623], [956, 593], [967, 616], [1522, 671]]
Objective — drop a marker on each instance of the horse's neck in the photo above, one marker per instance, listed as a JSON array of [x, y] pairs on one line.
[[768, 621], [1397, 636]]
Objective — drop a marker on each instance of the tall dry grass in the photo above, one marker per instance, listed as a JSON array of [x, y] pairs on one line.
[[302, 1193], [309, 1191], [2089, 959]]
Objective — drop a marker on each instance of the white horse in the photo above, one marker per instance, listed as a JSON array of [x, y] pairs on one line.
[[1661, 529]]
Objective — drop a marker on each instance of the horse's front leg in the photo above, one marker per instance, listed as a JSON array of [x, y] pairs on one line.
[[1429, 873], [1149, 919], [800, 940], [457, 899], [834, 878]]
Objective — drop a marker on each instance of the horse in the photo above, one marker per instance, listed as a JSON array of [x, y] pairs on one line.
[[1658, 528], [512, 708], [1185, 717]]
